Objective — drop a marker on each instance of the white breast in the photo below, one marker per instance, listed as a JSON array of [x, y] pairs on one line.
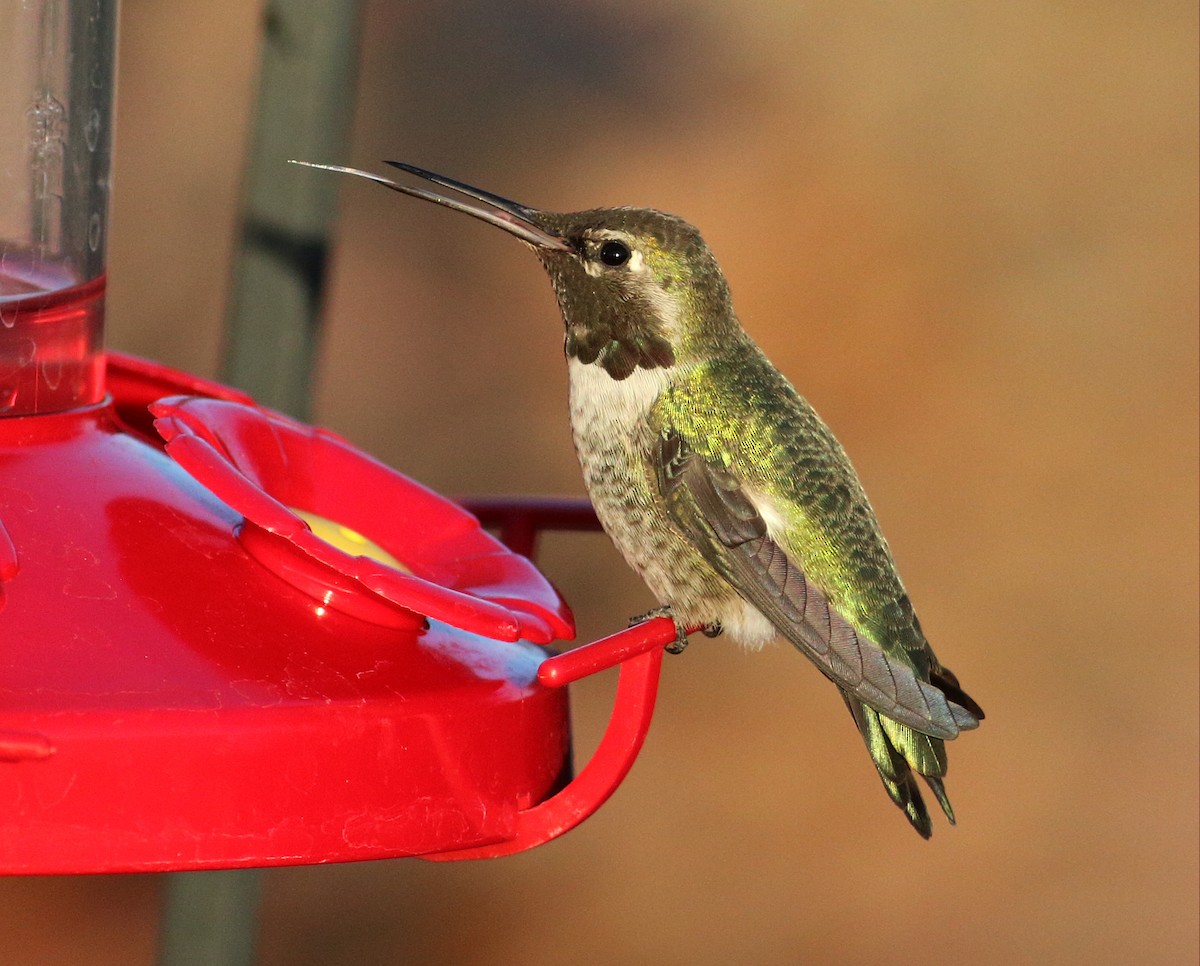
[[608, 407]]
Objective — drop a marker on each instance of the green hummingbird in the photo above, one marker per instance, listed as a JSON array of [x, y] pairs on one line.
[[718, 483]]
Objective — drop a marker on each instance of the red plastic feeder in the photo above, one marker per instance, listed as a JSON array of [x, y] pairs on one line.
[[192, 679]]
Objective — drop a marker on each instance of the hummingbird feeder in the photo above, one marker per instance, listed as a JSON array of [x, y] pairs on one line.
[[229, 639]]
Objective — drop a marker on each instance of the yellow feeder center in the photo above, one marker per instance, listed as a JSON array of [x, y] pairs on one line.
[[351, 541]]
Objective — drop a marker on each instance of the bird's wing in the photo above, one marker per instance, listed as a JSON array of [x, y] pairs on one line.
[[712, 508]]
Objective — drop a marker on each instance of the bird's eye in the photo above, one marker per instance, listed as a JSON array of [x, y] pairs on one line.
[[614, 253]]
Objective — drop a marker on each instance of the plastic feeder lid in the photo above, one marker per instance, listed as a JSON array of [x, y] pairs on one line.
[[190, 678]]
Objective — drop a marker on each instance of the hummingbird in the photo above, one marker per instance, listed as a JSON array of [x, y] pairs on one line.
[[717, 481]]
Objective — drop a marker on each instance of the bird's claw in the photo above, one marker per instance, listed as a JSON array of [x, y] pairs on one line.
[[676, 646], [664, 611], [681, 632]]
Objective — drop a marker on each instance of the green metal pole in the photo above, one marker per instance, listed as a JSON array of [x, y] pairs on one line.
[[210, 918], [304, 108]]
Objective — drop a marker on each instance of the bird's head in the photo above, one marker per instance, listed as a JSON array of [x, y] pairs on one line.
[[638, 288]]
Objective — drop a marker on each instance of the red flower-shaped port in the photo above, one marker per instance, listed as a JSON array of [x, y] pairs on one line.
[[276, 472]]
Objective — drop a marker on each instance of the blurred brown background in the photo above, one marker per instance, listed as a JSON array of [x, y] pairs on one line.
[[968, 232]]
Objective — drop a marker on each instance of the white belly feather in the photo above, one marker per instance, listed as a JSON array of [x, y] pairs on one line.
[[609, 422]]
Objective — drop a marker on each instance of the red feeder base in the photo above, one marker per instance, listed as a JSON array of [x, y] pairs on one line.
[[190, 678], [169, 702]]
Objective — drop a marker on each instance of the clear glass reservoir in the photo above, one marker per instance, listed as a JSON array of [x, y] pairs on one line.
[[56, 97]]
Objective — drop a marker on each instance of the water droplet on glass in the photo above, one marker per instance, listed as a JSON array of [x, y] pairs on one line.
[[23, 353], [94, 231], [46, 116], [91, 130], [13, 364], [52, 372]]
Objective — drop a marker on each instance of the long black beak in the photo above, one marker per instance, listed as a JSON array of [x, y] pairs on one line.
[[513, 218]]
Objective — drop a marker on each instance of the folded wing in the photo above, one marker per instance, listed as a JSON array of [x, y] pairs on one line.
[[711, 506]]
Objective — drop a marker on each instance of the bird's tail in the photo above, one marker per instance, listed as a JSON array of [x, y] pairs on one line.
[[900, 753]]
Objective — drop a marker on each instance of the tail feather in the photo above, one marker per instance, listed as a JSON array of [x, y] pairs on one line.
[[895, 770], [948, 684], [926, 755], [939, 791], [901, 753]]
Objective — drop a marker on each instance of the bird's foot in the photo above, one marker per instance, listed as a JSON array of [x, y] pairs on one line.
[[681, 632], [676, 646], [680, 642], [664, 611]]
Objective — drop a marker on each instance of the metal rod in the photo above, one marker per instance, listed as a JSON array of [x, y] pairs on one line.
[[210, 918], [305, 103]]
